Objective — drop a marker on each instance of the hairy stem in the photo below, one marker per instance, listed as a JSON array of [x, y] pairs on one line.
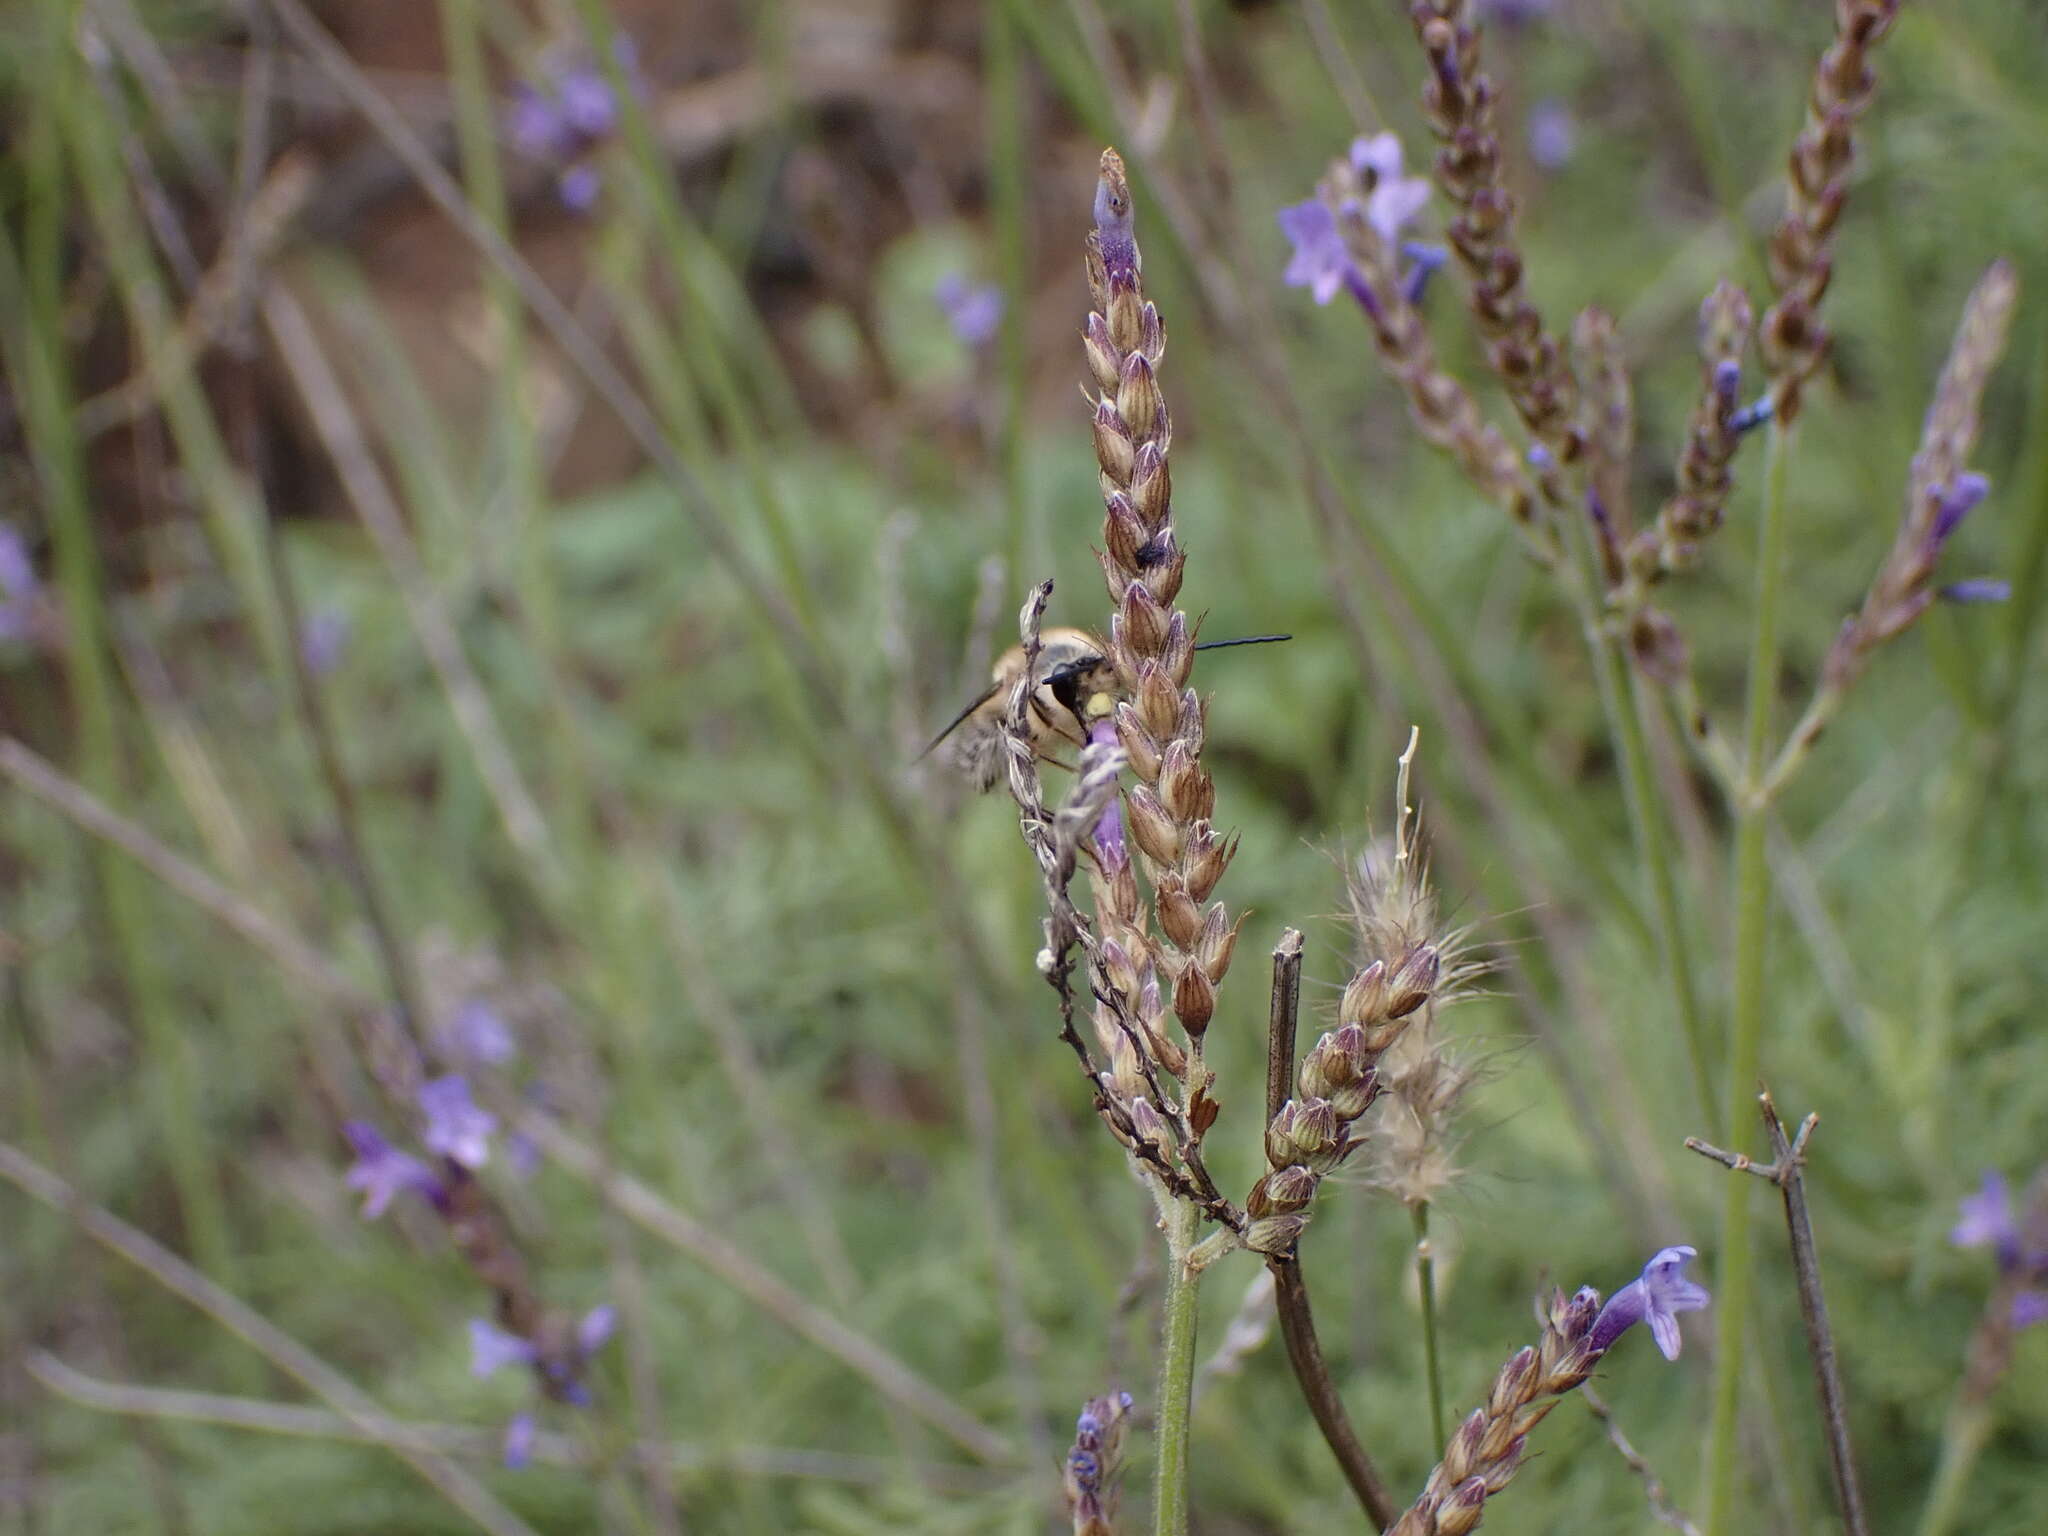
[[1181, 1222], [1745, 1035], [1963, 1436], [1425, 1282]]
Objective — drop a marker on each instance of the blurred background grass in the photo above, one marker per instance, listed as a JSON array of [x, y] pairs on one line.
[[630, 744]]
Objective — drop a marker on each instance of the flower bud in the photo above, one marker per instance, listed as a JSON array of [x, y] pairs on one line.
[[1162, 579], [1138, 399], [1282, 1190], [1409, 987], [1151, 485], [1141, 748], [1275, 1234], [1184, 789], [1179, 917], [1126, 318], [1158, 702], [1140, 621], [1151, 334], [1194, 999], [1151, 828], [1103, 363], [1149, 1128], [1207, 857], [1123, 535], [1113, 448], [1365, 996], [1217, 943]]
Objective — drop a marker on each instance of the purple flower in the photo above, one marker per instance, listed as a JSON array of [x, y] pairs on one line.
[[974, 310], [382, 1172], [1392, 200], [1514, 13], [519, 1437], [2029, 1308], [322, 639], [17, 582], [1553, 135], [588, 106], [1109, 826], [1988, 1221], [1424, 262], [1953, 503], [597, 1327], [1656, 1296], [535, 124], [1978, 589], [578, 187], [456, 1128], [1320, 263], [477, 1034], [491, 1348]]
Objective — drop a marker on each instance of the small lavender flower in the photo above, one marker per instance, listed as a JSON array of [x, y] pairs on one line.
[[17, 582], [477, 1033], [1393, 200], [519, 1437], [382, 1172], [323, 637], [1320, 262], [578, 188], [1515, 13], [457, 1128], [1991, 1219], [491, 1349], [1553, 135], [1424, 262], [1977, 589], [1953, 503], [1656, 1296], [974, 310]]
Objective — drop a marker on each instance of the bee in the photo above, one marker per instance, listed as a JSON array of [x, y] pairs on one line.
[[1076, 686]]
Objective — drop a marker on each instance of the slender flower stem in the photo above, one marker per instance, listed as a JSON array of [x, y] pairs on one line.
[[1182, 1222], [1425, 1280], [1963, 1435], [1752, 929], [1290, 1287], [1653, 846]]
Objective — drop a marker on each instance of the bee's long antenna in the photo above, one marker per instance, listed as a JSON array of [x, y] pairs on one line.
[[1217, 645], [955, 723]]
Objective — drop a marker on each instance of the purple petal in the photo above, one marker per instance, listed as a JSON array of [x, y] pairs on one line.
[[974, 310], [1425, 261], [578, 187], [382, 1172], [1379, 155], [1656, 1297], [534, 124], [587, 103], [456, 1128], [478, 1034], [1320, 263], [1553, 135], [17, 571], [1955, 504], [1977, 589], [1987, 1220], [323, 637], [2029, 1308], [519, 1437], [491, 1348], [597, 1326], [1393, 203]]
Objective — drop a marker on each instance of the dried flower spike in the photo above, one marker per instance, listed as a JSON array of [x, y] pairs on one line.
[[1816, 188], [1094, 1462]]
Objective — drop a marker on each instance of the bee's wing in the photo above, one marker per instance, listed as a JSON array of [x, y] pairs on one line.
[[958, 720]]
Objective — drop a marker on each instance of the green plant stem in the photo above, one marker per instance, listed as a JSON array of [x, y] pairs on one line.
[[1968, 1426], [1181, 1222], [1425, 1280], [1752, 897]]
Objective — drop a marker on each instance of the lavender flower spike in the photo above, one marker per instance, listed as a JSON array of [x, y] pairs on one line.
[[1656, 1296], [456, 1128], [382, 1172]]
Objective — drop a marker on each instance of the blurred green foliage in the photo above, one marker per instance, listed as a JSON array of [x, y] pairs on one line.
[[676, 760]]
